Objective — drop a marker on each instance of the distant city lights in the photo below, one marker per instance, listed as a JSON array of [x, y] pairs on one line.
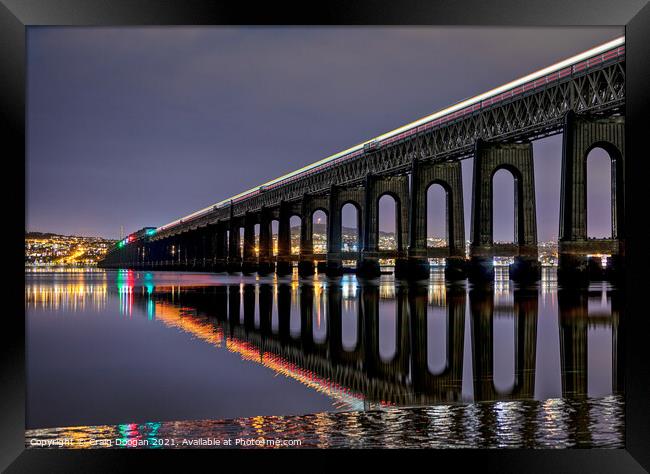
[[64, 250]]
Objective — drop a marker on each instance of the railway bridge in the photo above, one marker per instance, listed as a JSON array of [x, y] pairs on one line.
[[581, 97]]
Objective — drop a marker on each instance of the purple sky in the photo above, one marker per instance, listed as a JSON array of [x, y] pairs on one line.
[[140, 126]]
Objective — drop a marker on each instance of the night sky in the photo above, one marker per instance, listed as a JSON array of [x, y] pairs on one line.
[[137, 127]]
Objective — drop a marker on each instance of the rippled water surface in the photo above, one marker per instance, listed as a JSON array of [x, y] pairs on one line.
[[126, 358]]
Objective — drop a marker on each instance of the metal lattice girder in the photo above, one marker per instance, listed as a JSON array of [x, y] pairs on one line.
[[535, 114]]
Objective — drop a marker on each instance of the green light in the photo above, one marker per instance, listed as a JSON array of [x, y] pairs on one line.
[[151, 231]]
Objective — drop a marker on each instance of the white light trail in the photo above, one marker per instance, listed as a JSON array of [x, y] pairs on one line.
[[440, 113]]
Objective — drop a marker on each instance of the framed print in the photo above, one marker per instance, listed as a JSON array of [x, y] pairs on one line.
[[260, 234]]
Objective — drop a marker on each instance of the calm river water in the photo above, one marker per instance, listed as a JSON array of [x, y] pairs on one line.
[[165, 359]]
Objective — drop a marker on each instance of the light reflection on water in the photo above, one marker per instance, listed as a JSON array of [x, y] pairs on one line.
[[447, 364], [555, 423]]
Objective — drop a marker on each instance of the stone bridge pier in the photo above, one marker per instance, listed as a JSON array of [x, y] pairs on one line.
[[309, 205], [517, 158], [581, 135], [234, 262], [283, 261], [249, 254], [449, 176], [265, 262], [339, 197], [220, 246], [398, 188]]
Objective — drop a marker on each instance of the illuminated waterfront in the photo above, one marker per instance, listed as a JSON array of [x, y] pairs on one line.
[[45, 249], [333, 362]]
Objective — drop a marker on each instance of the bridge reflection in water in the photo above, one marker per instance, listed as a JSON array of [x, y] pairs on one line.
[[255, 319], [420, 353]]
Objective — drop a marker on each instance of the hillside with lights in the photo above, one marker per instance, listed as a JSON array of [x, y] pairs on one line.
[[64, 250]]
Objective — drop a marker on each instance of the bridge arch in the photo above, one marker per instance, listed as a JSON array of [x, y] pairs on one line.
[[320, 209], [340, 202], [242, 231], [347, 207], [256, 239], [431, 189], [615, 171], [518, 160], [391, 194], [295, 227], [392, 202], [311, 207], [356, 204], [274, 231], [506, 228], [319, 231]]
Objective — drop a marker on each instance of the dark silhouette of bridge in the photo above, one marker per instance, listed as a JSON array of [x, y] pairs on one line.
[[582, 97]]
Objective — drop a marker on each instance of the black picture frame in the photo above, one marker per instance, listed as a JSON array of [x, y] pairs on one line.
[[17, 15]]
